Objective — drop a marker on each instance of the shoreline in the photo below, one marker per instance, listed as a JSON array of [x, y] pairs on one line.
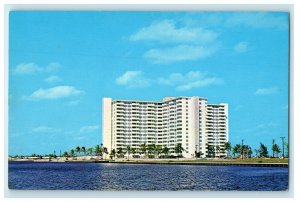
[[161, 162], [207, 163]]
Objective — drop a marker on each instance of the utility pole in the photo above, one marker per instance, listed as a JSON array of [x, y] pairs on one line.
[[242, 149], [282, 139]]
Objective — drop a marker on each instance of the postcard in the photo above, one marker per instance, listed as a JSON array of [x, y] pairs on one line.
[[148, 100]]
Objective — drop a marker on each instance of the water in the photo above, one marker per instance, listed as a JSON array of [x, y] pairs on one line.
[[91, 176]]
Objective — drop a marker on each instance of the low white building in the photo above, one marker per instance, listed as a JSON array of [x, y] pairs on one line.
[[190, 121]]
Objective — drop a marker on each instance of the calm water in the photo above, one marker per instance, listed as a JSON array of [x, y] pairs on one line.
[[91, 176]]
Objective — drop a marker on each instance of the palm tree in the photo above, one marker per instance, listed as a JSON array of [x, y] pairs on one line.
[[101, 150], [249, 152], [90, 151], [128, 149], [236, 149], [227, 147], [143, 148], [83, 150], [65, 154], [179, 149], [256, 152], [113, 153], [211, 150], [150, 149], [276, 149], [72, 152], [263, 150], [245, 151], [158, 150], [105, 150], [273, 144], [97, 151], [133, 151], [165, 150], [120, 152], [78, 150]]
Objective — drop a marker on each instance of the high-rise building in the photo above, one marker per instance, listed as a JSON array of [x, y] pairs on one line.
[[199, 127]]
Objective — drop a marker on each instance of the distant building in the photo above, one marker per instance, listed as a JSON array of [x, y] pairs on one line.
[[198, 126]]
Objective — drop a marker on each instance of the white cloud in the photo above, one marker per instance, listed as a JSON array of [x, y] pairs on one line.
[[133, 79], [266, 91], [32, 68], [88, 129], [193, 79], [45, 129], [52, 79], [167, 31], [27, 68], [188, 42], [241, 47], [54, 93], [179, 53], [256, 20]]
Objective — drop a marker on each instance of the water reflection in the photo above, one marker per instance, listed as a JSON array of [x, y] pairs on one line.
[[80, 176]]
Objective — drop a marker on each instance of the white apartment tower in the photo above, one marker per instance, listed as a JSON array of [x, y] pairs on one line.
[[190, 121]]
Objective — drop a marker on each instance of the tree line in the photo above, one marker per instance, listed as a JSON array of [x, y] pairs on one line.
[[98, 150], [150, 151], [158, 151], [245, 151]]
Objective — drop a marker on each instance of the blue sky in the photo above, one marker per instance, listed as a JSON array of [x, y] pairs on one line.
[[61, 64]]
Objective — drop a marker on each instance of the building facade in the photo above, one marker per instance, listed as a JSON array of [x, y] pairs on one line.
[[199, 127]]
